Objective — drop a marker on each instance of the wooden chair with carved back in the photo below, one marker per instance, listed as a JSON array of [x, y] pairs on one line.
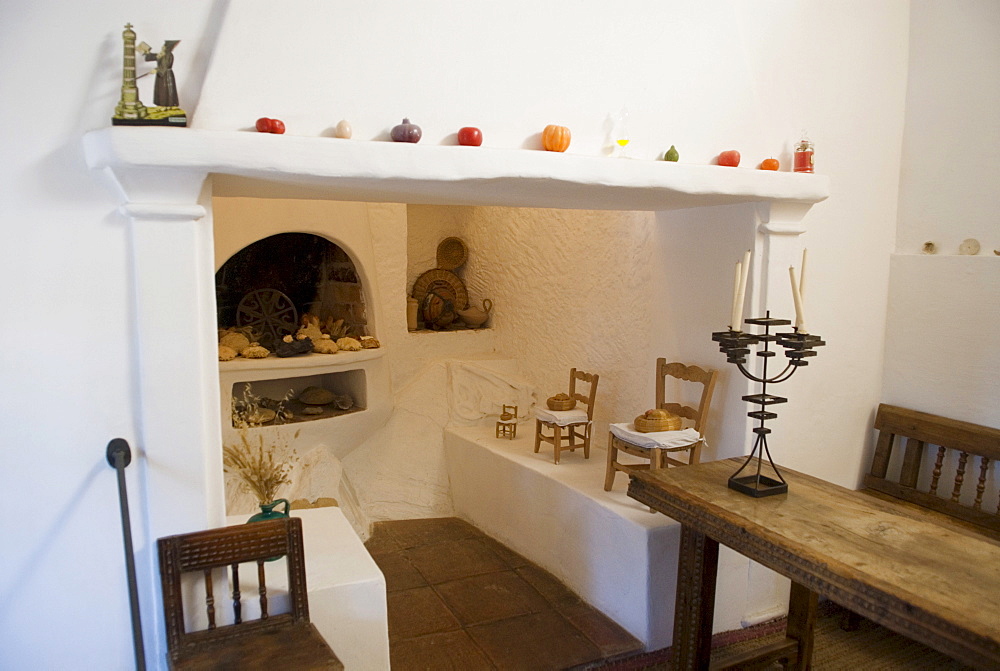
[[660, 448], [281, 641], [568, 426], [962, 453]]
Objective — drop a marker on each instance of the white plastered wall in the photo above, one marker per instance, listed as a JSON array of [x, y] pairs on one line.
[[703, 77], [944, 311]]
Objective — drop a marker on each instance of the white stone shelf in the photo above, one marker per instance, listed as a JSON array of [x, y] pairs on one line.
[[311, 364], [250, 163]]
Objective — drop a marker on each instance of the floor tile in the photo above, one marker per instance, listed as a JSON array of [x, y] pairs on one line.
[[459, 599], [414, 533], [450, 560], [399, 573], [416, 612], [542, 640], [611, 639], [382, 541], [492, 596], [452, 650], [551, 589], [513, 559]]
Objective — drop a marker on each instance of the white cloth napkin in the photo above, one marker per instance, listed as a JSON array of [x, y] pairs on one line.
[[662, 439], [562, 417]]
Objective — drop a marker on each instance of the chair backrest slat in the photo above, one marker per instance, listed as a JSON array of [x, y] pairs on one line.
[[962, 440], [705, 377], [984, 467], [588, 399], [262, 589], [209, 599], [237, 605]]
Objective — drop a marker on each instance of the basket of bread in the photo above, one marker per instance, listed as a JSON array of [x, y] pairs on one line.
[[657, 419], [561, 402]]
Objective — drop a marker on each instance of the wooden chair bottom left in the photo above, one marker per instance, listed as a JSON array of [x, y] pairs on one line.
[[286, 641]]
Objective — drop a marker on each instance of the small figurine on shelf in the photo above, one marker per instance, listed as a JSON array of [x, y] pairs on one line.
[[130, 111], [165, 91]]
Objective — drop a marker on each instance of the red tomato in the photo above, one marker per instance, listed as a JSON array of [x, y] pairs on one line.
[[470, 136], [263, 125], [729, 158], [277, 126], [769, 164]]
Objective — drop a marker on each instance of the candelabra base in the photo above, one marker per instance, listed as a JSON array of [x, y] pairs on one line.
[[758, 486]]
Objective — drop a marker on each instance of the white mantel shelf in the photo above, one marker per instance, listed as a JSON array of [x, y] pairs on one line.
[[250, 163]]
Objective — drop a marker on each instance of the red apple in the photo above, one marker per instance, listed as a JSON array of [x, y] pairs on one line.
[[729, 158], [470, 136], [263, 125]]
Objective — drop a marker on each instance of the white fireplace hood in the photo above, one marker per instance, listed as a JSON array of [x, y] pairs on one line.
[[250, 163]]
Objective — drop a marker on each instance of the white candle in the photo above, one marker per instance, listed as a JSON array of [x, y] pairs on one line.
[[734, 314], [802, 274], [800, 322], [743, 289]]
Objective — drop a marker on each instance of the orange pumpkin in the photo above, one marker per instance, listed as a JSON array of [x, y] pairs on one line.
[[555, 138]]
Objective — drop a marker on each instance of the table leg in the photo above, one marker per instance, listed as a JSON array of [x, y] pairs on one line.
[[802, 606], [694, 607]]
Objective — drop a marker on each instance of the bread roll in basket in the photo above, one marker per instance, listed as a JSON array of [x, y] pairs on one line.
[[657, 420]]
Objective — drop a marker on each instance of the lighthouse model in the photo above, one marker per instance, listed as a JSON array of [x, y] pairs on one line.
[[130, 111]]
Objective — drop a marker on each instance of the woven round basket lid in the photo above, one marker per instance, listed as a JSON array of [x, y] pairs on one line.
[[451, 253], [445, 284]]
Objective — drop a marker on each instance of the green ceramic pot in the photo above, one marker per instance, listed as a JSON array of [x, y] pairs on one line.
[[268, 512]]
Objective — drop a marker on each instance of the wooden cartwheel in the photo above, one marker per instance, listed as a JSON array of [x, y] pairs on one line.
[[270, 313]]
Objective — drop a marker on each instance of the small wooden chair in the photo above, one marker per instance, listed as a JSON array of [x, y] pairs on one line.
[[507, 424], [565, 424], [621, 438], [285, 641]]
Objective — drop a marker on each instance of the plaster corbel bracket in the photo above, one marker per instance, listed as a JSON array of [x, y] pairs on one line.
[[147, 190], [780, 225], [782, 217]]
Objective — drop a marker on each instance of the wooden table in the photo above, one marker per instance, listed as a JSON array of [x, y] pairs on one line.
[[915, 571]]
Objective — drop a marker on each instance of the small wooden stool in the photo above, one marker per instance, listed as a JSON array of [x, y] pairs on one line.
[[507, 424]]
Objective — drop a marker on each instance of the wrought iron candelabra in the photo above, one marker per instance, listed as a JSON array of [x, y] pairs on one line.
[[799, 347]]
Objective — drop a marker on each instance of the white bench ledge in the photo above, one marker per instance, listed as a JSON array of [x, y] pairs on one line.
[[606, 547]]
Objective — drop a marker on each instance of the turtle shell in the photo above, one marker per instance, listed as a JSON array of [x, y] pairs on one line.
[[317, 396]]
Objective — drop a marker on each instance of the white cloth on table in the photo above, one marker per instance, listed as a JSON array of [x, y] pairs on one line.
[[661, 439], [562, 417]]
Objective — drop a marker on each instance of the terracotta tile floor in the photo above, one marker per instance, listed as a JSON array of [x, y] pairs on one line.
[[460, 600]]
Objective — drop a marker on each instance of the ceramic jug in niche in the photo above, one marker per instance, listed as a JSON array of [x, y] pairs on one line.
[[473, 317]]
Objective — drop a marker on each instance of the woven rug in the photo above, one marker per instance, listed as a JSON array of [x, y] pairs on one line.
[[869, 648]]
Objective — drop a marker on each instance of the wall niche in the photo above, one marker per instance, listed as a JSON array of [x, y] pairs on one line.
[[288, 400], [270, 284]]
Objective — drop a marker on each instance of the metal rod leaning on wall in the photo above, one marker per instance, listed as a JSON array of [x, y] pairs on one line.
[[119, 456]]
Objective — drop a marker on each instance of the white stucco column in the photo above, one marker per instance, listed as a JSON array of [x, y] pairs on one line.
[[178, 455]]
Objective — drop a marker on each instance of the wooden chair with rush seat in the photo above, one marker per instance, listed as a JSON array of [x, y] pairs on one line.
[[659, 446], [285, 641], [567, 426]]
